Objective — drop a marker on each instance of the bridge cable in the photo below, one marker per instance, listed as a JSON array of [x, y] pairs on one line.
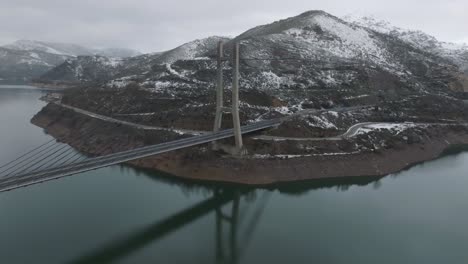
[[49, 149], [54, 151], [25, 155], [21, 159], [61, 152], [24, 180], [28, 160]]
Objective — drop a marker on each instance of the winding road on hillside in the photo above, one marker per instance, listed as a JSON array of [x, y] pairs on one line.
[[351, 132], [122, 122]]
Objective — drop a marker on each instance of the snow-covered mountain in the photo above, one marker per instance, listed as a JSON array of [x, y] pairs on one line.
[[84, 69], [133, 68], [308, 59], [22, 66], [117, 52], [458, 53], [71, 50], [195, 49], [311, 61], [25, 60]]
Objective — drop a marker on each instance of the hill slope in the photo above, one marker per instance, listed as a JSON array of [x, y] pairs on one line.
[[21, 66], [71, 50], [25, 60], [137, 68], [300, 64]]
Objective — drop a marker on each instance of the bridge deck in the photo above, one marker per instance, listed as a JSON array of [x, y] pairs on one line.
[[10, 183]]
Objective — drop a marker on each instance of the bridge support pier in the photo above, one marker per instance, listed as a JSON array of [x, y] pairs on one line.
[[227, 254], [234, 110]]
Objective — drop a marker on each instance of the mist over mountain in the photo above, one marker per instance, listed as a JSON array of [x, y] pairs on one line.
[[23, 65], [129, 68], [24, 60], [68, 49]]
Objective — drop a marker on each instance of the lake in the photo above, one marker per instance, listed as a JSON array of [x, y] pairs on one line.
[[123, 215]]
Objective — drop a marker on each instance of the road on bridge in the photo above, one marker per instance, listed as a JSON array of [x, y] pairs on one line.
[[14, 182]]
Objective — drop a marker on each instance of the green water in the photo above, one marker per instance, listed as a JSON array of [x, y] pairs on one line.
[[121, 215]]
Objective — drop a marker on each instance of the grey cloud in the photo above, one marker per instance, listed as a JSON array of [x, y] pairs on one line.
[[159, 25]]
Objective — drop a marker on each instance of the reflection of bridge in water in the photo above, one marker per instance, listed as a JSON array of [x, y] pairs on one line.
[[233, 231], [237, 213]]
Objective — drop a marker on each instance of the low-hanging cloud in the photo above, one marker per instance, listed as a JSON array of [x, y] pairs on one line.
[[154, 25]]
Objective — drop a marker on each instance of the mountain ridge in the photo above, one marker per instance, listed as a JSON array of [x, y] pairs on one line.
[[68, 49], [314, 36], [25, 60]]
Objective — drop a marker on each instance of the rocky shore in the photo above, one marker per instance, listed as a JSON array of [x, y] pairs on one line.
[[376, 153]]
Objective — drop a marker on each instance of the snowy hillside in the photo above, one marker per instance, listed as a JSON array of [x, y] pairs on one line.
[[138, 68], [457, 53], [294, 67], [190, 50], [25, 60], [84, 69], [314, 51], [22, 66], [71, 50], [117, 52], [53, 48]]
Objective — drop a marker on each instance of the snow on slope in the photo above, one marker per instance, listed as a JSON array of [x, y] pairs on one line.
[[53, 48], [317, 35], [67, 49], [25, 65], [457, 53], [84, 69], [140, 68], [190, 50], [347, 58], [117, 52]]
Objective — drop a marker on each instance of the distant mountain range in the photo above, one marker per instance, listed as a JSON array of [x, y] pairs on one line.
[[92, 69], [24, 60], [324, 52], [71, 50]]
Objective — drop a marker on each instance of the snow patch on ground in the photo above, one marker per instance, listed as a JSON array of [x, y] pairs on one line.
[[396, 128], [202, 58], [265, 81], [79, 71], [321, 122], [111, 62], [34, 55], [291, 156], [333, 113], [356, 97], [121, 83]]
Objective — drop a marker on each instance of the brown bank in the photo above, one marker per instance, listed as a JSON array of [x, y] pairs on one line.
[[200, 163]]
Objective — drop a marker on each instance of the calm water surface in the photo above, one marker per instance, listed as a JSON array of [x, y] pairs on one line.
[[121, 215]]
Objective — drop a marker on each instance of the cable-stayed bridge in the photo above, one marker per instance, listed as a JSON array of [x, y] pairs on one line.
[[52, 161], [51, 171]]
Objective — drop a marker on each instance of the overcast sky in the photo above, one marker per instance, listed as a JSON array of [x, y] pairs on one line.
[[156, 25]]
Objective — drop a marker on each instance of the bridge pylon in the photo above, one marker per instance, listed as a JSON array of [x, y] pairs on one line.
[[227, 248], [234, 109]]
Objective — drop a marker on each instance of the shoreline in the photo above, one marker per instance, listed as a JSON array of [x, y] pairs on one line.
[[51, 86], [202, 164], [272, 172]]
